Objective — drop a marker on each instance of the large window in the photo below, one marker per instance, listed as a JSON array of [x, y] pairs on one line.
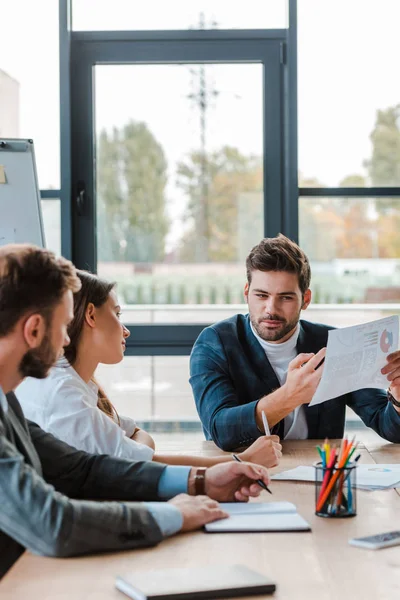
[[349, 148], [179, 179], [349, 93]]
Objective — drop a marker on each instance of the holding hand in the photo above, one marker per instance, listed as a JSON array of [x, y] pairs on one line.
[[266, 451], [232, 481], [197, 511], [303, 376], [392, 370]]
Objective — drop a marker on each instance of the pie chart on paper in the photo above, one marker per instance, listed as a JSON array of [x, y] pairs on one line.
[[386, 340]]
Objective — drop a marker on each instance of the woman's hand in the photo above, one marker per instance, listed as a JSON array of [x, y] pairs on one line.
[[265, 451]]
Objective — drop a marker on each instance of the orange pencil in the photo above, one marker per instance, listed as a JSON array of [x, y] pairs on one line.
[[349, 450], [328, 472], [333, 480]]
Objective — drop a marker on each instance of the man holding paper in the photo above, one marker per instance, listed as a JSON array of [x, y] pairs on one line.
[[269, 360]]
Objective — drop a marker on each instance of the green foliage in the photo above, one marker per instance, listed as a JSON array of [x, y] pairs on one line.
[[228, 295], [199, 295], [169, 294], [213, 295], [131, 181], [353, 181], [384, 165], [213, 184], [182, 294]]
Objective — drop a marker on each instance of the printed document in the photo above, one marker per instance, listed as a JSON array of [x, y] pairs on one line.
[[355, 356]]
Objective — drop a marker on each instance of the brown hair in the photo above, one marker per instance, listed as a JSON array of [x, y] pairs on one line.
[[279, 254], [96, 291], [32, 280]]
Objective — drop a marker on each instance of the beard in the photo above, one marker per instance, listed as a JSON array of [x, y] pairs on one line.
[[38, 361], [275, 334]]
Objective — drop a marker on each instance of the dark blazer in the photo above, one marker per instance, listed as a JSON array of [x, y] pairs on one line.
[[229, 373], [40, 478]]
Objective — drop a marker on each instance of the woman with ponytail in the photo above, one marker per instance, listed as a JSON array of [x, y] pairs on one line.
[[71, 405]]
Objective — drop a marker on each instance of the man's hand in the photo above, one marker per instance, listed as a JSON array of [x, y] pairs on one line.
[[266, 451], [197, 511], [303, 377], [231, 481], [392, 371]]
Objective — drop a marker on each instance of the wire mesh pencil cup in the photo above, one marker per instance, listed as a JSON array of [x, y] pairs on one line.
[[335, 491]]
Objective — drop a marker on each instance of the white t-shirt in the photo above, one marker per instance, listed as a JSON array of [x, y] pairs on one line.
[[66, 406], [279, 356]]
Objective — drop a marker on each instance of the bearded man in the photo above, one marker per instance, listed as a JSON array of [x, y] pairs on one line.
[[269, 360]]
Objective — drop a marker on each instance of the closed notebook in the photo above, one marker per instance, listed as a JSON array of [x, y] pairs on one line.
[[202, 582], [259, 517]]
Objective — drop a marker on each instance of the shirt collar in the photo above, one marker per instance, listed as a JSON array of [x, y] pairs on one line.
[[3, 401]]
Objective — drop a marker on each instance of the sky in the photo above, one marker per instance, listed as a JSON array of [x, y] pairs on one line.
[[348, 52]]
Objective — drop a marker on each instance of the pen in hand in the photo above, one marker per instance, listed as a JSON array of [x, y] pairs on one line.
[[259, 481], [265, 423]]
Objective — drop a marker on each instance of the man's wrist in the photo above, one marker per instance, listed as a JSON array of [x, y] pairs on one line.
[[393, 400], [197, 481]]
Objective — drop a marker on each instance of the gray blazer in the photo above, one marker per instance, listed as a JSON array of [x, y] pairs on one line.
[[47, 490]]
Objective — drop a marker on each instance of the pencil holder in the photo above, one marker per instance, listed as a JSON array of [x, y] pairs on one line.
[[335, 491]]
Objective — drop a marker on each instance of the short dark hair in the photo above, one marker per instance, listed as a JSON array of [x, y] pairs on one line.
[[32, 280], [279, 254]]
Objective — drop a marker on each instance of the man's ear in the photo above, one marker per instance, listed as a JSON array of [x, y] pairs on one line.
[[246, 291], [34, 330], [90, 315], [306, 299]]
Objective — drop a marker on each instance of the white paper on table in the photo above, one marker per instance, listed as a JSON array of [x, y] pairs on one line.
[[374, 476], [8, 235], [355, 356]]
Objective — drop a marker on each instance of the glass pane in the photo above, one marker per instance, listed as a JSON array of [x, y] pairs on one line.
[[151, 389], [349, 97], [51, 212], [129, 386], [354, 247], [179, 14], [179, 180], [29, 81]]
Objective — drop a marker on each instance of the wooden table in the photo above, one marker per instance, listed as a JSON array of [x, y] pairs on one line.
[[319, 565]]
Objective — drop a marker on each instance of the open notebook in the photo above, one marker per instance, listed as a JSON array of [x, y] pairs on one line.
[[259, 517]]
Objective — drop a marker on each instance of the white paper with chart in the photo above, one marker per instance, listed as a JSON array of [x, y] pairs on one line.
[[355, 356]]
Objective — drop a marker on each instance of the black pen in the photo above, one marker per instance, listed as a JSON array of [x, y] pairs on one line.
[[259, 481]]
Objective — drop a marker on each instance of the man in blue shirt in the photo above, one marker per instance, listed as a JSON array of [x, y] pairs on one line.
[[47, 488], [269, 360]]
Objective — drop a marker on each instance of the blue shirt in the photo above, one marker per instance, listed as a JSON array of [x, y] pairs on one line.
[[173, 481]]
